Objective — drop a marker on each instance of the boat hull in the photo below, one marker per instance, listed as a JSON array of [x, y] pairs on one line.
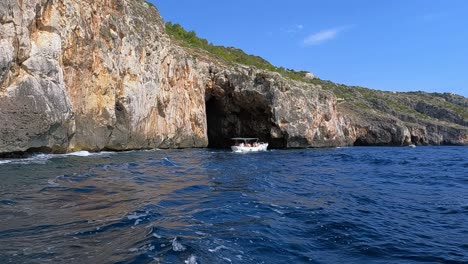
[[243, 149]]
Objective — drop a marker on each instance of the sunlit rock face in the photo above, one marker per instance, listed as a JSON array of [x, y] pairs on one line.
[[104, 75], [243, 101], [95, 75], [428, 125], [100, 75], [36, 112]]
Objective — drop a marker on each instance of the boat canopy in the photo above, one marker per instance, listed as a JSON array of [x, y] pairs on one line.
[[245, 139]]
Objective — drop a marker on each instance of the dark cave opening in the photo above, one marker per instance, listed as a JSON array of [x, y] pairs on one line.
[[214, 118], [245, 114]]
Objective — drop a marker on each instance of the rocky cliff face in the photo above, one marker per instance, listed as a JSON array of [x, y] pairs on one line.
[[286, 113], [36, 111], [95, 75], [394, 119]]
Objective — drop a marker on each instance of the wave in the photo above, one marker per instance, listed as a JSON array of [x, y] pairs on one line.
[[44, 158], [79, 154], [167, 162], [35, 159]]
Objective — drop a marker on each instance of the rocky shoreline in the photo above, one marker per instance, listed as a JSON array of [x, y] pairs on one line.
[[87, 75]]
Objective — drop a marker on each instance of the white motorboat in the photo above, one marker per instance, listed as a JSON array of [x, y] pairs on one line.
[[244, 145]]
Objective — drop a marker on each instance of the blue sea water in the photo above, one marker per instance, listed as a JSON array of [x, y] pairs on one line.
[[345, 205]]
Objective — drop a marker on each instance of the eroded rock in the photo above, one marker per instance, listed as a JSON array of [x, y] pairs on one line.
[[94, 75], [286, 113]]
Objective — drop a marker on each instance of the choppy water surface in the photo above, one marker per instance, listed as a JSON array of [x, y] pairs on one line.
[[349, 205]]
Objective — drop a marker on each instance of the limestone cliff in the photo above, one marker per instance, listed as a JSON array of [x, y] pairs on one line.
[[286, 113], [95, 75]]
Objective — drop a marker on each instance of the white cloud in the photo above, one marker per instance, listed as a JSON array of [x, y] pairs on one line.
[[293, 29], [324, 35]]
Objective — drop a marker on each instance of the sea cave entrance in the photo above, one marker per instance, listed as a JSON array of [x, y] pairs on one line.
[[244, 114], [214, 119]]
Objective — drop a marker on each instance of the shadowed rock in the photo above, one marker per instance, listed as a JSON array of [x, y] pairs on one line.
[[95, 75]]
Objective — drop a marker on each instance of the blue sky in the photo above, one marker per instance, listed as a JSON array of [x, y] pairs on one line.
[[397, 45]]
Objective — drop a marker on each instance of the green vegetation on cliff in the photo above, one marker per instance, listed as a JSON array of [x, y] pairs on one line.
[[228, 54], [411, 107]]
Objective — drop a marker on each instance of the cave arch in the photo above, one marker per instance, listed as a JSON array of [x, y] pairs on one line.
[[240, 114]]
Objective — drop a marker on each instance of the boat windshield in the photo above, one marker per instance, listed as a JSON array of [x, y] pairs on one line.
[[246, 142], [245, 139]]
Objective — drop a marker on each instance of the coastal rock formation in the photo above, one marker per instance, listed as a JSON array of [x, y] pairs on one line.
[[310, 75], [104, 75], [286, 113], [36, 112], [394, 119], [94, 75]]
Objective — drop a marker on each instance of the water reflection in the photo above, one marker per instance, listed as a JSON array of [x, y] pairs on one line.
[[175, 206], [96, 200]]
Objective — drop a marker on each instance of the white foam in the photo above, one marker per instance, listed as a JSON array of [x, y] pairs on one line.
[[79, 154], [84, 153], [43, 158], [52, 183], [169, 161], [135, 216], [177, 246], [156, 235], [151, 150], [36, 159], [278, 211], [216, 249], [191, 260]]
